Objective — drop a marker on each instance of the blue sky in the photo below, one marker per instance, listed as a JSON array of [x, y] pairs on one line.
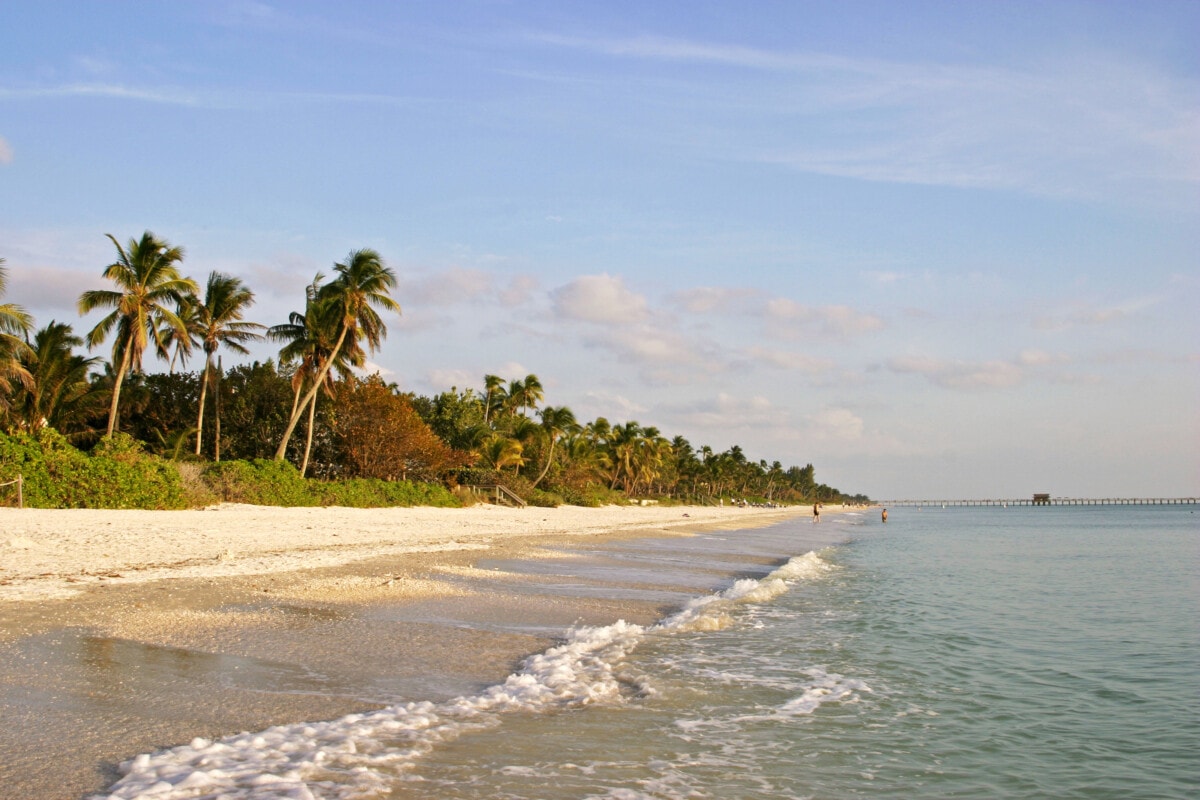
[[936, 249]]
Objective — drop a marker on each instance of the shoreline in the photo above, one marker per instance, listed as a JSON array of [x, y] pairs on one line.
[[58, 553], [153, 627]]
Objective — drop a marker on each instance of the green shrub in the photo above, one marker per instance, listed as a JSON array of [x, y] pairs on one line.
[[374, 493], [593, 496], [543, 499], [117, 474], [261, 482]]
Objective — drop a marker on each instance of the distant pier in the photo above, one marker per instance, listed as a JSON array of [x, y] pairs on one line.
[[1051, 501]]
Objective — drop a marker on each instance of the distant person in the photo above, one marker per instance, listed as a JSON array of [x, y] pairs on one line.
[[885, 515], [816, 513]]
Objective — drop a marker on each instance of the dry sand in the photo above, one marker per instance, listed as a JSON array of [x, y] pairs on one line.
[[54, 553], [127, 631]]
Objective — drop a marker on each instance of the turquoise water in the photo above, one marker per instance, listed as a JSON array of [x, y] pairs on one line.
[[976, 652]]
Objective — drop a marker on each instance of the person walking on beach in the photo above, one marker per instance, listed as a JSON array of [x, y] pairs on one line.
[[816, 513]]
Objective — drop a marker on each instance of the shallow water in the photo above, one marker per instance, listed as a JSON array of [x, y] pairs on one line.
[[992, 653]]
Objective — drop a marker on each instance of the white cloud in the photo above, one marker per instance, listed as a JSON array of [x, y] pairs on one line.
[[961, 374], [797, 362], [646, 345], [519, 291], [371, 368], [1087, 315], [449, 287], [836, 424], [729, 412], [444, 379], [708, 299], [791, 318], [601, 299]]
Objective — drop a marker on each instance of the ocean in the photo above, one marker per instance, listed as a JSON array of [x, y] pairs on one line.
[[962, 652]]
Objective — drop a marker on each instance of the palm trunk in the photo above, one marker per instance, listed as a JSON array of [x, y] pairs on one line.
[[117, 379], [312, 414], [203, 397], [217, 413], [549, 460], [291, 426]]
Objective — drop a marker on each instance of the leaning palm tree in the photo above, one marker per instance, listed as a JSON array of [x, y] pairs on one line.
[[220, 323], [362, 284], [556, 422], [15, 324], [149, 285], [308, 341]]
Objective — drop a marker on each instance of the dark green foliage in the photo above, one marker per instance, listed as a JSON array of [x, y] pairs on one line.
[[117, 474], [261, 482], [267, 482], [543, 499], [374, 493]]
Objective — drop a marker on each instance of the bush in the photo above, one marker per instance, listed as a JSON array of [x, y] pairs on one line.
[[593, 496], [261, 482], [266, 482], [117, 474], [542, 499], [373, 493]]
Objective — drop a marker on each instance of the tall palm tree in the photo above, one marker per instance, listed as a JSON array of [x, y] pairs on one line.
[[220, 323], [308, 340], [15, 324], [149, 285], [60, 394], [362, 284], [524, 394], [179, 342], [556, 422], [494, 395]]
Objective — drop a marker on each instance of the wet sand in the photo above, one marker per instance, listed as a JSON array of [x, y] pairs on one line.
[[118, 635]]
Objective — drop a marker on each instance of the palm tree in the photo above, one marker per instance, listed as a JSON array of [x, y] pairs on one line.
[[556, 422], [179, 342], [60, 395], [220, 322], [308, 340], [15, 324], [524, 394], [501, 451], [494, 395], [362, 283], [148, 284]]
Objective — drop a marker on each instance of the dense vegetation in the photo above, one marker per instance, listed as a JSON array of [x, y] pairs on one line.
[[85, 432]]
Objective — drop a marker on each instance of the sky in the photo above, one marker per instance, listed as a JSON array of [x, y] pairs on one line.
[[935, 249]]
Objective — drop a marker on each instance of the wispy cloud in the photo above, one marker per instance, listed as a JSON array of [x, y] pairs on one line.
[[961, 374], [788, 318], [6, 151], [1073, 123], [166, 96], [1082, 314]]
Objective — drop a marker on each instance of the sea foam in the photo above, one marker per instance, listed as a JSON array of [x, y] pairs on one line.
[[361, 754]]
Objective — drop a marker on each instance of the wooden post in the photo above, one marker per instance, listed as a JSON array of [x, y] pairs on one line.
[[20, 490]]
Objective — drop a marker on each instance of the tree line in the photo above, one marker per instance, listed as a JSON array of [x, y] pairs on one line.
[[351, 426]]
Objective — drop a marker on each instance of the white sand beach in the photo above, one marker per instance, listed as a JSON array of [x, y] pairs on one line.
[[123, 632], [54, 553]]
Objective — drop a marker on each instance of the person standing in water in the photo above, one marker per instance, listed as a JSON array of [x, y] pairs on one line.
[[816, 513], [885, 515]]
